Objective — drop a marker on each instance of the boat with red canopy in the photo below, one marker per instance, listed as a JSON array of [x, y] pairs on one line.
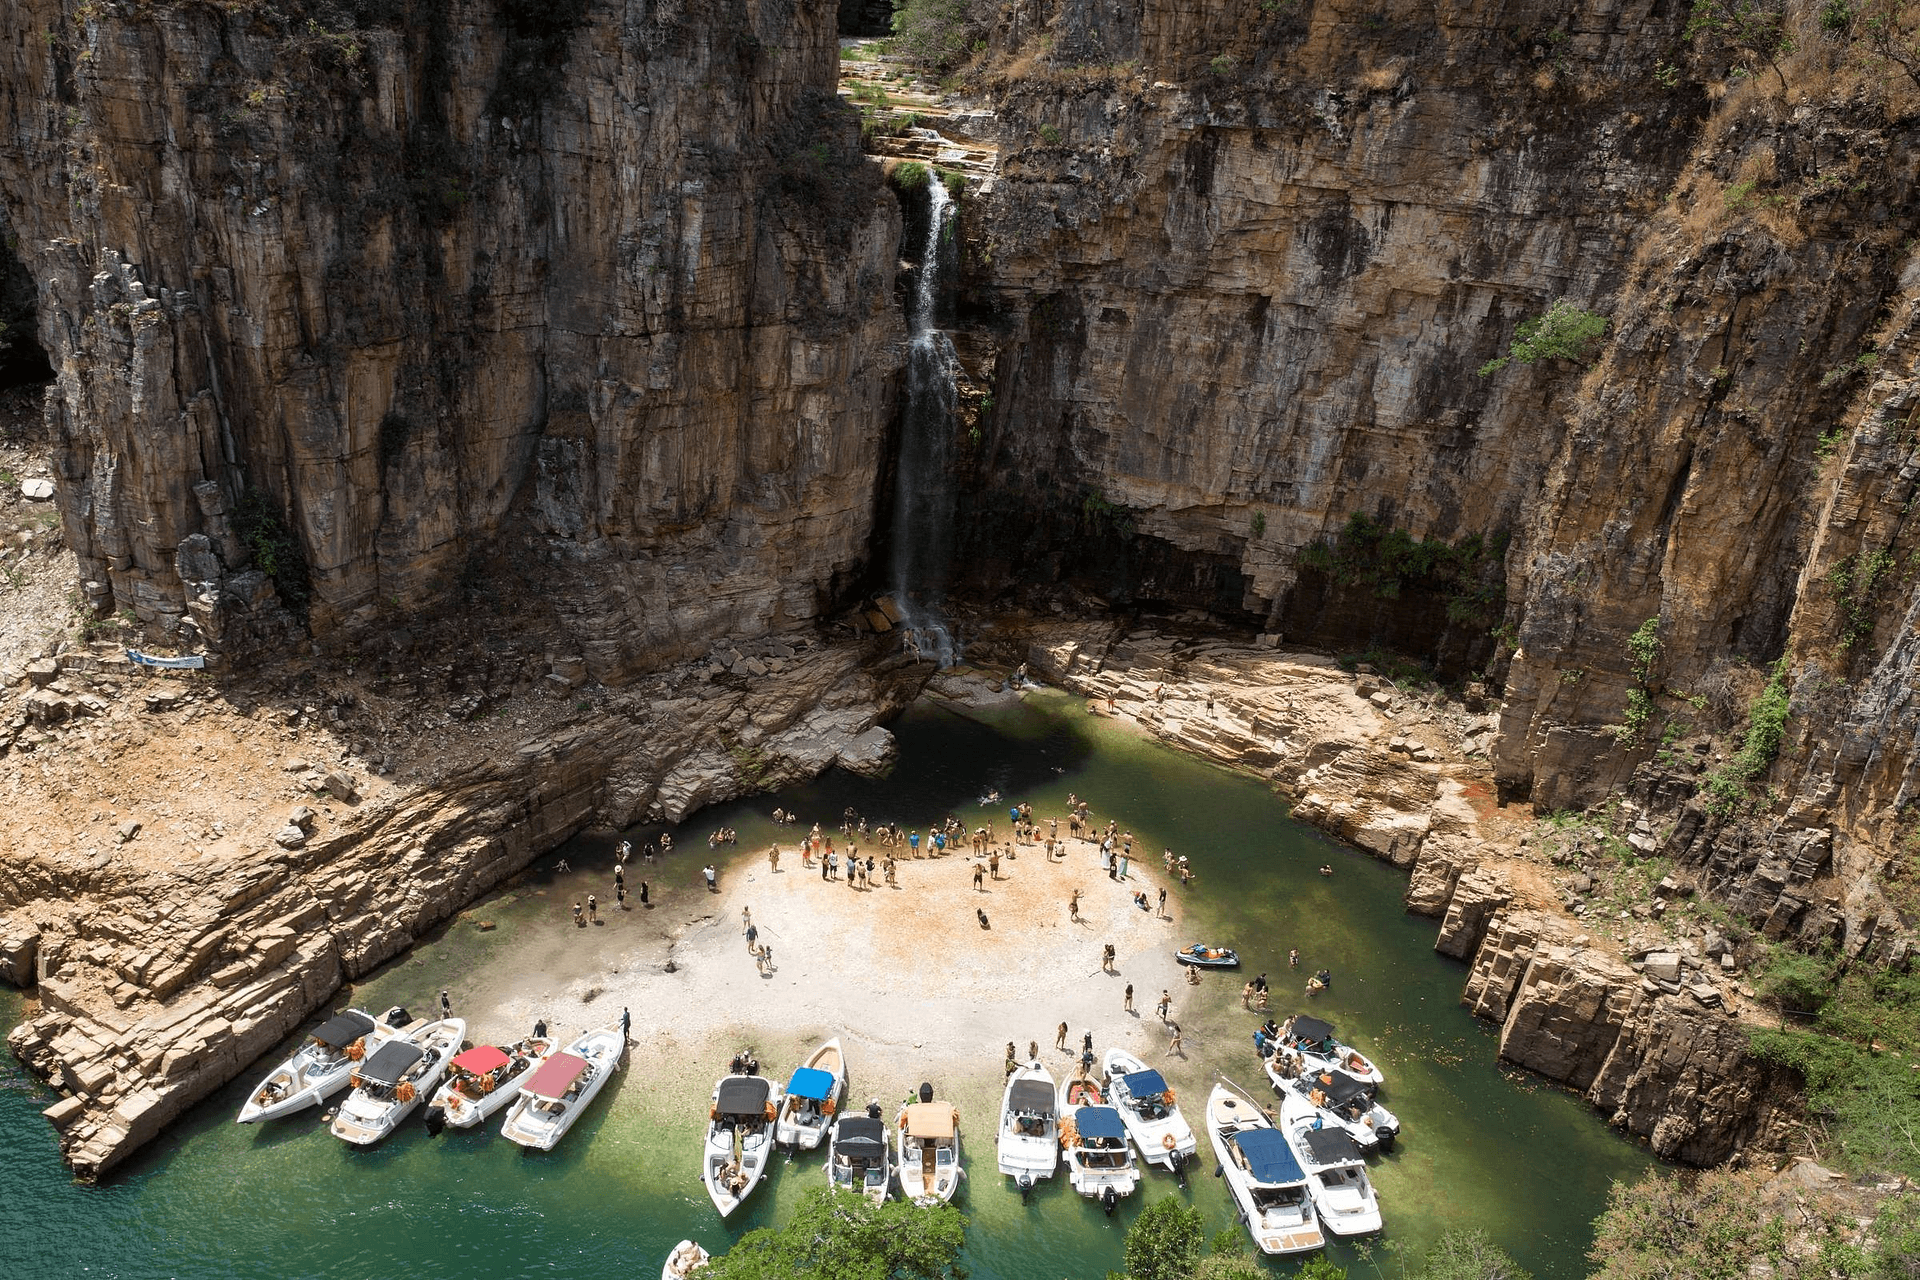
[[482, 1081], [557, 1091]]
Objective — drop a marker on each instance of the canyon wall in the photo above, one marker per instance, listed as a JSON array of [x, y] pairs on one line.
[[361, 301], [1235, 283]]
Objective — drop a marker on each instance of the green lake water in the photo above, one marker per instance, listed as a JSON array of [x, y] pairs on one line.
[[1480, 1147]]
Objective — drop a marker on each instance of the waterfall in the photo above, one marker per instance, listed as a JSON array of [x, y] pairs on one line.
[[923, 503]]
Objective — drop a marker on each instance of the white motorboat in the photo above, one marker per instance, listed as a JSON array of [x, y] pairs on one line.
[[1093, 1144], [1268, 1186], [686, 1258], [320, 1068], [857, 1157], [929, 1155], [483, 1080], [1335, 1166], [560, 1089], [396, 1078], [1029, 1127], [811, 1098], [1313, 1040], [1150, 1111], [739, 1138], [1342, 1101]]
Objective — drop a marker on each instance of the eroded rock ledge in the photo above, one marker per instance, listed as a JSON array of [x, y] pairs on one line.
[[1652, 1041], [168, 955]]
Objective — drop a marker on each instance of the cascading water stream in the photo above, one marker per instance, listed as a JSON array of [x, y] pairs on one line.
[[923, 508]]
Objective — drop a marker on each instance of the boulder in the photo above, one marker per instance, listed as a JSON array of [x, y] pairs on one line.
[[340, 786], [43, 671], [128, 830], [1662, 966], [36, 489], [290, 837], [303, 817]]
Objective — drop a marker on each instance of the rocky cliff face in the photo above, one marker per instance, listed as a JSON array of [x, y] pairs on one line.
[[1235, 281], [363, 300]]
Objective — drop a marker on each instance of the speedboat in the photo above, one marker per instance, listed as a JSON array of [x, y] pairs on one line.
[[1336, 1169], [1094, 1141], [1148, 1108], [481, 1081], [811, 1098], [320, 1068], [1268, 1186], [1313, 1040], [1342, 1101], [396, 1078], [1029, 1129], [857, 1156], [561, 1087], [929, 1157], [1205, 957], [686, 1258], [739, 1138]]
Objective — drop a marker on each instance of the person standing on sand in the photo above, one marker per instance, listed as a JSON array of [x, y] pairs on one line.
[[446, 1004], [913, 843], [773, 858], [1166, 1003], [1128, 1006], [578, 921], [619, 876], [1175, 1045], [1060, 1040], [643, 894], [1033, 1051], [593, 908], [889, 866], [713, 878], [1106, 958], [1086, 1043], [620, 896], [1012, 1066], [1246, 996], [1163, 899], [746, 919], [979, 874], [1073, 906], [993, 865], [626, 851]]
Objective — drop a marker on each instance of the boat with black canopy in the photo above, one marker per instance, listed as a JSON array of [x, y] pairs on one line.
[[1268, 1186], [1313, 1039], [1028, 1149], [1336, 1169], [1099, 1163], [739, 1138], [857, 1157], [1342, 1101], [558, 1092], [321, 1067], [1150, 1110], [396, 1078], [811, 1098]]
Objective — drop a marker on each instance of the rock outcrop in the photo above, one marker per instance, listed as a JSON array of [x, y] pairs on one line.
[[163, 970]]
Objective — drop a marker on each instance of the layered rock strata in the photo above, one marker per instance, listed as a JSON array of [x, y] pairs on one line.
[[167, 954], [1656, 1043]]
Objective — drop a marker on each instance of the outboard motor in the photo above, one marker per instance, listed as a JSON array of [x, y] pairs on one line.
[[1178, 1164], [436, 1121], [398, 1017], [926, 1092], [1026, 1185], [873, 1109], [1108, 1199]]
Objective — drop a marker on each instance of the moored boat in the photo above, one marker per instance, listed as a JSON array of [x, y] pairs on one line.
[[555, 1095], [811, 1098], [1336, 1169], [929, 1151], [1099, 1163], [739, 1138], [1268, 1186], [1028, 1149], [1204, 957], [483, 1080], [396, 1078], [1342, 1101], [320, 1067], [686, 1258], [857, 1157], [1150, 1111], [1313, 1039]]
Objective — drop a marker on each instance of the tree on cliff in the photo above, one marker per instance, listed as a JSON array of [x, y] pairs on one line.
[[1756, 28], [937, 34], [1563, 332], [837, 1236]]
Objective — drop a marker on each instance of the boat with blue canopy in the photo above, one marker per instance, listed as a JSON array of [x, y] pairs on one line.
[[1268, 1186], [1093, 1141], [811, 1098], [1149, 1109]]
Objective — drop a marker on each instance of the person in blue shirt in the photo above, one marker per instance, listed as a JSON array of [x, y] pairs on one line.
[[914, 841], [939, 842], [1013, 815]]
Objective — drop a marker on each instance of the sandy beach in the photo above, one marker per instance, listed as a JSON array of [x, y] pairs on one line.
[[905, 974]]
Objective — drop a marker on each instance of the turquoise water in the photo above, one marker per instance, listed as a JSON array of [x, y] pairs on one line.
[[1481, 1147]]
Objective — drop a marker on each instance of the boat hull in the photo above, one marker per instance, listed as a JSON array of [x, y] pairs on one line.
[[1159, 1141], [532, 1123]]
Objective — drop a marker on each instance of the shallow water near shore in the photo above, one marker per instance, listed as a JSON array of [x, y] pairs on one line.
[[1481, 1147]]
